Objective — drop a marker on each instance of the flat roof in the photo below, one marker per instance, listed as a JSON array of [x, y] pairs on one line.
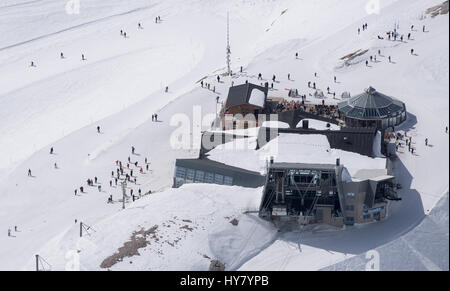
[[302, 166]]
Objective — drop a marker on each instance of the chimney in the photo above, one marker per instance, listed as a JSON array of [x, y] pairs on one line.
[[305, 124]]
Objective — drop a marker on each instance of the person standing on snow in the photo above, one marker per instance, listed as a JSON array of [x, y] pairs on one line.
[[51, 151], [29, 173], [98, 129]]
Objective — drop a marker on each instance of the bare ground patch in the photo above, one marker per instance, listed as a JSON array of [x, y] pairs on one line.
[[440, 9], [137, 241]]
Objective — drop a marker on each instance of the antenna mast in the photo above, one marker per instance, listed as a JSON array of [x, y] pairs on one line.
[[228, 45]]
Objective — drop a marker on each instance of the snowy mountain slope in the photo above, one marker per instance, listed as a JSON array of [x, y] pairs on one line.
[[60, 102]]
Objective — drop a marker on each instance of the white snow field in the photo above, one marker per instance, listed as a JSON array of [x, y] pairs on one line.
[[59, 102]]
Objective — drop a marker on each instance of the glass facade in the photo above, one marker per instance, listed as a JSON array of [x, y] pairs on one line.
[[184, 175]]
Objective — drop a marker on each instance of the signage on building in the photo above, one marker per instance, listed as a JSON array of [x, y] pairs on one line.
[[374, 210]]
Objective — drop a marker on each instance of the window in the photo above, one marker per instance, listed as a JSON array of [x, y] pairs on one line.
[[180, 172], [218, 179], [349, 207], [351, 195], [190, 174], [228, 181], [209, 178], [199, 176], [349, 220]]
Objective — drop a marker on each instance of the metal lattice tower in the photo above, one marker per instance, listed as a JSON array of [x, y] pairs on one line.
[[228, 45]]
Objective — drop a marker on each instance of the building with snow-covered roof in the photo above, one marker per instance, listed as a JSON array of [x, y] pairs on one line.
[[372, 109], [247, 100]]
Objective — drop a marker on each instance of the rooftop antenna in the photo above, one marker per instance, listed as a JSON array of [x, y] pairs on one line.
[[228, 45]]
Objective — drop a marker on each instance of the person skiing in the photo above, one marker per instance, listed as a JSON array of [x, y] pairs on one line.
[[132, 149], [367, 63], [29, 173], [56, 166], [379, 52], [32, 64], [259, 76], [390, 60], [82, 57], [296, 55], [81, 189], [289, 77], [51, 151], [131, 173], [218, 79], [335, 79], [359, 30], [426, 142], [446, 129], [115, 181], [412, 27], [95, 179], [423, 29], [412, 51], [76, 190], [121, 32], [99, 187], [124, 34], [146, 166], [273, 78], [139, 25], [409, 36], [156, 117], [167, 89], [110, 183], [201, 83], [9, 232], [98, 129], [62, 56]]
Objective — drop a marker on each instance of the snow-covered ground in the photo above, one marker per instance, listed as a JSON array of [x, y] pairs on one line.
[[60, 102]]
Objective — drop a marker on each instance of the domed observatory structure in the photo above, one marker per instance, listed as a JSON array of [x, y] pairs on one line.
[[372, 109]]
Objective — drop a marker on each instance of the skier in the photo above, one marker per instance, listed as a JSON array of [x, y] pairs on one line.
[[409, 36], [426, 142], [99, 187], [167, 89], [315, 74], [131, 173], [81, 189], [124, 34], [367, 63], [110, 183], [156, 19], [62, 56], [156, 117], [132, 149], [146, 167], [296, 55], [139, 25], [412, 27], [115, 180], [95, 178], [9, 232], [241, 69], [412, 51], [218, 79], [29, 173], [273, 78], [289, 77], [423, 29], [390, 60], [359, 31], [379, 52], [335, 79], [98, 129], [145, 160], [51, 151], [309, 84], [32, 64], [56, 166], [446, 129], [82, 57], [259, 76], [76, 190], [201, 83], [121, 32]]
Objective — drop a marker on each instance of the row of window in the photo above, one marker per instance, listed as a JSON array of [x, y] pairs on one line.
[[185, 175]]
